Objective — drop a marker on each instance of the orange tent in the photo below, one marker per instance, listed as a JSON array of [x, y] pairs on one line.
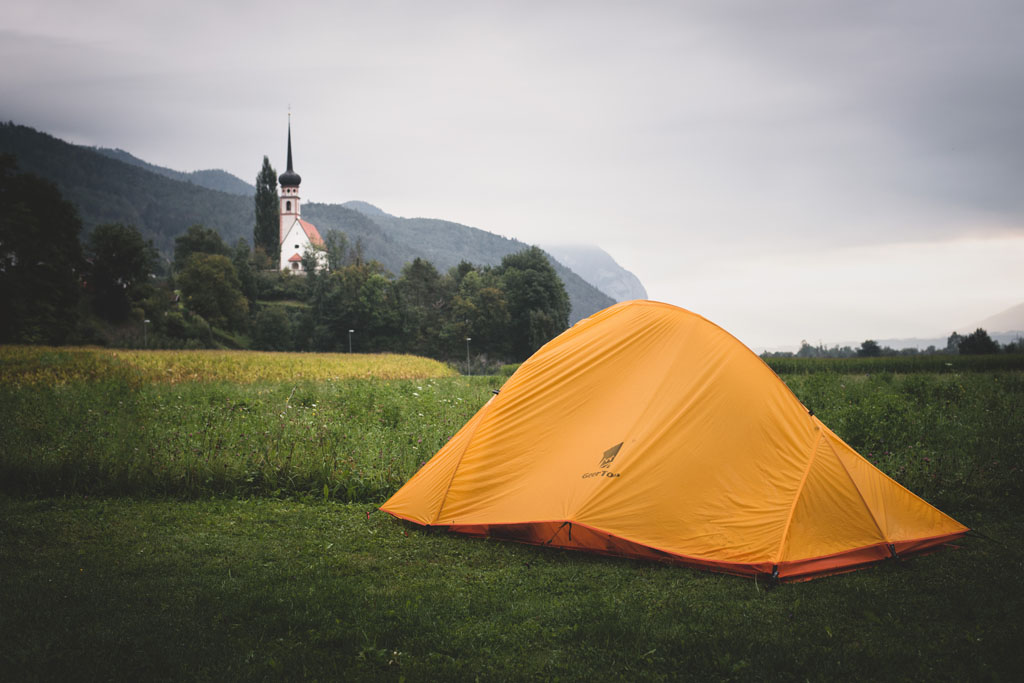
[[648, 431]]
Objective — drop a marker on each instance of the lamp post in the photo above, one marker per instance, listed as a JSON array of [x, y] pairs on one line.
[[469, 368], [145, 337], [350, 340]]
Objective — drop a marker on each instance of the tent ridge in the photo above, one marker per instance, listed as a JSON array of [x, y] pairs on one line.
[[796, 498], [860, 495]]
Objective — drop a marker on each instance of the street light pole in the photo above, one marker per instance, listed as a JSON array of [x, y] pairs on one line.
[[469, 368], [145, 337], [350, 340]]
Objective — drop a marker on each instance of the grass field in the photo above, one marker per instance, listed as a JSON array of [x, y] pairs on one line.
[[223, 527]]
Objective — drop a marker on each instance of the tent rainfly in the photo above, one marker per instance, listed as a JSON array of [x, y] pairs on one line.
[[647, 431]]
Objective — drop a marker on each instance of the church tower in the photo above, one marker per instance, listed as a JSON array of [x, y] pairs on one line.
[[298, 237], [289, 191]]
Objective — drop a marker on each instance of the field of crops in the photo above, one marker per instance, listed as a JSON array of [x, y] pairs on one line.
[[214, 511], [50, 366]]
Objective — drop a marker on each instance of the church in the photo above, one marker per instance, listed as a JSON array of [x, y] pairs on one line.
[[297, 236]]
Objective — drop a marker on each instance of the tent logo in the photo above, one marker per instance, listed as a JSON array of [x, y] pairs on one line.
[[609, 455]]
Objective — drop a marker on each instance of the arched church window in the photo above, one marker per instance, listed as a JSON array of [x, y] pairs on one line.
[[287, 206]]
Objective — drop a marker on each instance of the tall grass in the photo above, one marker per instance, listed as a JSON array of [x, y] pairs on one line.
[[348, 440]]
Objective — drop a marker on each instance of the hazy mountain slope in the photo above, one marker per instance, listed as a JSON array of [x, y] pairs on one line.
[[597, 267], [211, 179], [1010, 320], [106, 190]]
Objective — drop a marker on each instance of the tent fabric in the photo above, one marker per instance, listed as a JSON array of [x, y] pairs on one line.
[[647, 431]]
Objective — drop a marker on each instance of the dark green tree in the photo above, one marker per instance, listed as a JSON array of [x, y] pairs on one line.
[[266, 233], [978, 342], [537, 302], [422, 300], [241, 259], [40, 259], [198, 239], [122, 263], [359, 297], [210, 287], [869, 349], [272, 330], [478, 310]]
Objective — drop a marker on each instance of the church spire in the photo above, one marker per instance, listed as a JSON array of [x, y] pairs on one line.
[[289, 178]]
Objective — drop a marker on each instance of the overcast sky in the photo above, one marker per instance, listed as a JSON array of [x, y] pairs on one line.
[[829, 171]]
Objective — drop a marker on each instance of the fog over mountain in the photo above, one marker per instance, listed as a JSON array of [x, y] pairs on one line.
[[597, 267]]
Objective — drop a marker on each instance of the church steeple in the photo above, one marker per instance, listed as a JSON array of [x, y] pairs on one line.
[[298, 237], [290, 178]]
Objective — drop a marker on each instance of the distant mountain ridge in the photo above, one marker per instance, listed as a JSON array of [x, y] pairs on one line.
[[113, 186], [211, 179]]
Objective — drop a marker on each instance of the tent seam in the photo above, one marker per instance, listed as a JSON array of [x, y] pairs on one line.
[[469, 441], [796, 498], [856, 488]]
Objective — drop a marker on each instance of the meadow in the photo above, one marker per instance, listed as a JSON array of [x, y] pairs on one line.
[[165, 516]]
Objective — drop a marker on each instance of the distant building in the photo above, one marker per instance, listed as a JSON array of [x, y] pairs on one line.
[[297, 236]]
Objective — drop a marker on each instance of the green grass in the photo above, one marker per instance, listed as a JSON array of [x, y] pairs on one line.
[[170, 531], [353, 440], [955, 439], [262, 589]]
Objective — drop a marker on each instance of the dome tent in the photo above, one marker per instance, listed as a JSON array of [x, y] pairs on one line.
[[648, 431]]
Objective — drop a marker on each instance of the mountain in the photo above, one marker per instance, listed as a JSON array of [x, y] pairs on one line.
[[113, 186], [597, 267], [1010, 320], [107, 190], [211, 179]]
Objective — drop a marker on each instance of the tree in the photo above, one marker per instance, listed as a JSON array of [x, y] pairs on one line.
[[121, 266], [869, 349], [537, 301], [358, 297], [40, 259], [272, 330], [478, 310], [211, 288], [336, 243], [266, 233], [421, 299], [198, 239], [953, 343], [240, 259], [978, 342]]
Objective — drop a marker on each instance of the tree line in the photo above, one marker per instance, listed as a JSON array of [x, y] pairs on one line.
[[114, 288], [978, 342]]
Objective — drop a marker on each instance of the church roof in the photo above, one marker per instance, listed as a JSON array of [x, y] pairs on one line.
[[312, 233], [289, 178], [294, 257]]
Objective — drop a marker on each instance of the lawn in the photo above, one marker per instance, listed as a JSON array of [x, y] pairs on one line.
[[223, 529]]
